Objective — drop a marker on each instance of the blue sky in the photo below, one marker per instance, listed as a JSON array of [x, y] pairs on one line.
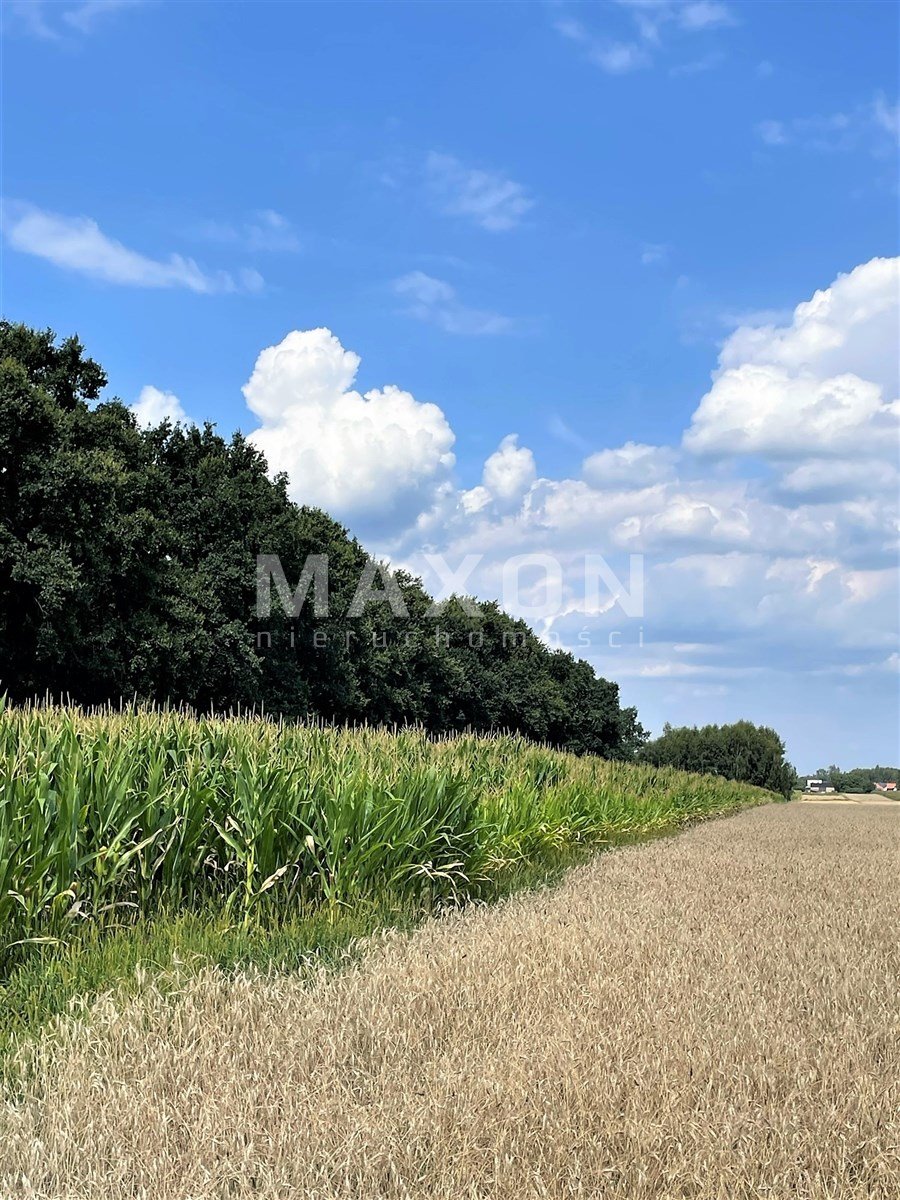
[[546, 220]]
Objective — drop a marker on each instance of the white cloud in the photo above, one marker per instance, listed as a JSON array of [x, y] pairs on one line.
[[773, 133], [78, 244], [767, 411], [565, 433], [825, 480], [510, 471], [697, 66], [618, 58], [613, 57], [370, 458], [704, 14], [835, 131], [752, 581], [826, 384], [436, 302], [654, 252], [756, 588], [886, 115], [863, 126], [266, 230], [153, 406], [632, 465], [849, 326], [488, 198], [508, 475], [651, 20], [29, 17], [32, 17], [84, 16]]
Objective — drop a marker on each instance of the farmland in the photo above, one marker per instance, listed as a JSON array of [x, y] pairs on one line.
[[707, 1016], [108, 815], [133, 840]]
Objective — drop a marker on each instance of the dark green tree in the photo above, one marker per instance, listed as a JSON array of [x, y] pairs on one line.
[[743, 751]]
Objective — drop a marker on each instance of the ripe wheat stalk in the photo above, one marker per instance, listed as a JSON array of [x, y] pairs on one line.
[[711, 1017]]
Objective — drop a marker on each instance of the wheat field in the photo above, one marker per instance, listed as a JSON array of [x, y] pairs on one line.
[[714, 1015]]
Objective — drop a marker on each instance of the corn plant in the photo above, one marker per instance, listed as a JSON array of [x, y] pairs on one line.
[[107, 815]]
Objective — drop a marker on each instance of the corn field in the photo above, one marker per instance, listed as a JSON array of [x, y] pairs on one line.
[[107, 815]]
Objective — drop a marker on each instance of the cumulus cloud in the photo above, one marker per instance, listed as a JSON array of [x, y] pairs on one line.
[[78, 244], [827, 480], [489, 199], [633, 465], [153, 406], [826, 384], [367, 458], [508, 476], [779, 574], [767, 411], [435, 301], [755, 582], [849, 326], [510, 470]]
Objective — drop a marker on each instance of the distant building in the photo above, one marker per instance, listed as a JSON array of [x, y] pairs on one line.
[[817, 785], [888, 786]]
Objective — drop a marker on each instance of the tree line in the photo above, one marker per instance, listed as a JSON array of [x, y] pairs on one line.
[[859, 779], [128, 569], [753, 753]]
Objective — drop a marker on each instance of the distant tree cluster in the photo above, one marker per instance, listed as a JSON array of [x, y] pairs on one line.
[[128, 568], [860, 779], [751, 753]]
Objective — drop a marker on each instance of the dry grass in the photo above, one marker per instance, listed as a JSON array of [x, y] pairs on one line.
[[714, 1016]]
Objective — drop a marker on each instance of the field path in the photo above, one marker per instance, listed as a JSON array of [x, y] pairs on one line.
[[710, 1016]]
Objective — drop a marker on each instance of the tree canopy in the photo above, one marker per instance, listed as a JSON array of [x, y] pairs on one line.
[[128, 569], [743, 751]]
